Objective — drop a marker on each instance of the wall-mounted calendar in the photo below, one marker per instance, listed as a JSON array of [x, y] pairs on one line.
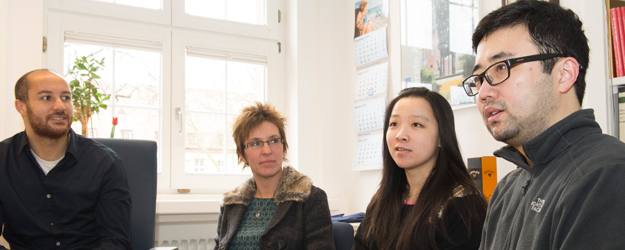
[[372, 74], [368, 154], [369, 115], [370, 47], [371, 81]]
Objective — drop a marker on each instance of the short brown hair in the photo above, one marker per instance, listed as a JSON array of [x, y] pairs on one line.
[[250, 118]]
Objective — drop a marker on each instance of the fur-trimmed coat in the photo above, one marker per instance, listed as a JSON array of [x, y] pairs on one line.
[[301, 221]]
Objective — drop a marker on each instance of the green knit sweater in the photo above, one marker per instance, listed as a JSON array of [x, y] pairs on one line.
[[255, 220]]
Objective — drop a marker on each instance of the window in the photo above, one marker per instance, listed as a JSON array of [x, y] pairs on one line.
[[177, 82], [216, 91], [127, 134], [149, 4], [435, 39], [245, 11], [132, 80]]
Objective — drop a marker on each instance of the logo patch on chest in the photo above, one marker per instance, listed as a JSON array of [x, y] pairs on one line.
[[538, 205]]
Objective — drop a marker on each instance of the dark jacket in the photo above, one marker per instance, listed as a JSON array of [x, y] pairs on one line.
[[572, 198], [301, 221]]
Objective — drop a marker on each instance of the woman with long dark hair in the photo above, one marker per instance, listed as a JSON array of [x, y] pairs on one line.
[[426, 199]]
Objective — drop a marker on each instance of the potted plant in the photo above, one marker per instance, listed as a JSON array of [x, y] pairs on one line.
[[85, 97]]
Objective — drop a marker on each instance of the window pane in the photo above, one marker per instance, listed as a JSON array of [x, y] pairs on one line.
[[209, 147], [213, 9], [149, 4], [205, 84], [245, 11], [435, 51], [204, 144], [245, 85], [232, 158], [136, 77]]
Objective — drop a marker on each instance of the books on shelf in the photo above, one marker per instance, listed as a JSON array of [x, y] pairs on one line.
[[483, 170], [617, 16], [616, 42]]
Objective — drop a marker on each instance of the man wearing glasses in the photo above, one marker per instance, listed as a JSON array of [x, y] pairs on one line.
[[568, 191]]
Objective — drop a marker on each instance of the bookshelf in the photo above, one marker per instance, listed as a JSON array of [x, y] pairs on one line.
[[616, 81]]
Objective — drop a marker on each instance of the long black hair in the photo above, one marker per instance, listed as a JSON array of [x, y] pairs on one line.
[[449, 178]]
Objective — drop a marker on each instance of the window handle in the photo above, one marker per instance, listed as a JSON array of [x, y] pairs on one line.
[[179, 117]]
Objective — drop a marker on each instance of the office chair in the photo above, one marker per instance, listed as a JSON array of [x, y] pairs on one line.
[[139, 159], [343, 235]]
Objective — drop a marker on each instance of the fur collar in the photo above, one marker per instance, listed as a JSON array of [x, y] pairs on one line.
[[293, 186]]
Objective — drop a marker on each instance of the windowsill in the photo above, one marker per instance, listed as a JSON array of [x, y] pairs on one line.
[[169, 204], [188, 203]]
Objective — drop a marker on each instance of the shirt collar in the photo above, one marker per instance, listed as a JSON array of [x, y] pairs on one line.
[[553, 141], [72, 148]]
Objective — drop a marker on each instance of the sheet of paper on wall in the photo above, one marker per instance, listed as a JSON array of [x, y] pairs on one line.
[[369, 115], [371, 81], [370, 47], [368, 153]]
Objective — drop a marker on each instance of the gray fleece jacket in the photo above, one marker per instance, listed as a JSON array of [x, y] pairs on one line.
[[301, 221], [573, 198]]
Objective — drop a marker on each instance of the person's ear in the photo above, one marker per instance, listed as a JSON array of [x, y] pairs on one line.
[[243, 159], [20, 107], [568, 70]]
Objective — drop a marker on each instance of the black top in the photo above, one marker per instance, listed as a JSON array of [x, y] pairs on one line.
[[456, 230], [83, 202]]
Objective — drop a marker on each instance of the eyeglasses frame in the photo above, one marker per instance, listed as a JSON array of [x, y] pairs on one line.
[[246, 145], [509, 63]]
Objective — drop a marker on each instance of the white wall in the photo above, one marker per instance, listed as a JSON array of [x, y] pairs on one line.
[[4, 33], [23, 53], [319, 114]]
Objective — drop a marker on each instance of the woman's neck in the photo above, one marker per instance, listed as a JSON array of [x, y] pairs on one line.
[[416, 179], [266, 187]]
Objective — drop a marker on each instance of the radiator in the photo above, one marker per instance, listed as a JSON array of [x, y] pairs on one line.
[[188, 244]]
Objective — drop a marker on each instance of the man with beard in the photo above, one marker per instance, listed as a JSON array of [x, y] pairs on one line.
[[59, 189], [529, 77]]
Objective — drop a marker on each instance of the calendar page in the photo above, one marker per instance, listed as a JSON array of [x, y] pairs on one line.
[[368, 154], [369, 115], [370, 47], [371, 81]]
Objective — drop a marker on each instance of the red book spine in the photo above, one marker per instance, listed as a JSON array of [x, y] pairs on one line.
[[621, 19], [616, 42]]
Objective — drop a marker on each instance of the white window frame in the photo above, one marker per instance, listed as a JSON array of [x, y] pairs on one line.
[[118, 11], [217, 46], [128, 23]]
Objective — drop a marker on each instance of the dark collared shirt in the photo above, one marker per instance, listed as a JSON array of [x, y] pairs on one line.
[[83, 202]]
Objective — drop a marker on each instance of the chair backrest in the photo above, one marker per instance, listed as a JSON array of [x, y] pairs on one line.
[[139, 159], [343, 235]]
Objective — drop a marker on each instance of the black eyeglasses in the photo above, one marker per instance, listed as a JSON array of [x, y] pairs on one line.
[[499, 72], [259, 144]]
